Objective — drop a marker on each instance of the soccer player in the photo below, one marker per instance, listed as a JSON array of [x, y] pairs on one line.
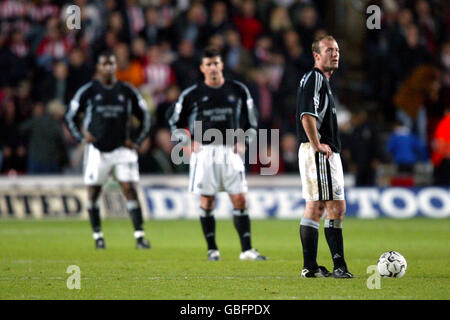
[[218, 104], [320, 163], [111, 147]]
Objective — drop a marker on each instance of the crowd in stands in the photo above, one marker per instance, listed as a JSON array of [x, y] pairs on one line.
[[265, 44]]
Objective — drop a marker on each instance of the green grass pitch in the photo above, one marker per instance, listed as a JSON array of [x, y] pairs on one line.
[[34, 257]]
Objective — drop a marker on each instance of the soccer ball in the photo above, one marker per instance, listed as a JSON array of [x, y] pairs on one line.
[[392, 264]]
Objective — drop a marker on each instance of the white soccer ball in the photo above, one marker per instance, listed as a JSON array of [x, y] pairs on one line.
[[392, 265]]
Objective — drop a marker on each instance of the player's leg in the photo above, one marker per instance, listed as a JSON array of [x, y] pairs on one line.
[[94, 215], [203, 182], [312, 189], [334, 182], [135, 211], [96, 172], [208, 223], [127, 173], [309, 236], [333, 233], [241, 222]]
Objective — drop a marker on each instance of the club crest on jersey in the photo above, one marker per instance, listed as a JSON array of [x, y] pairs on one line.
[[231, 98], [205, 98], [98, 97], [121, 97]]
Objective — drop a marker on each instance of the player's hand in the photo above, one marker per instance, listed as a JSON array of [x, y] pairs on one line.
[[88, 137], [131, 145], [325, 149], [240, 148], [196, 146]]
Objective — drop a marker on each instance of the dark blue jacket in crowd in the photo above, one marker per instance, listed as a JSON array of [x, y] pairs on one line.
[[406, 148]]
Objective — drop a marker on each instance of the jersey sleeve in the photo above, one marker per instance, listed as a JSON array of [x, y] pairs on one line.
[[308, 95], [139, 109], [249, 113], [178, 117], [77, 106]]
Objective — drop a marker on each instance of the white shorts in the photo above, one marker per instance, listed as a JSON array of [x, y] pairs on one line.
[[121, 162], [216, 168], [322, 179]]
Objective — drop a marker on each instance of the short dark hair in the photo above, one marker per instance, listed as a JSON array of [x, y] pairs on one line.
[[106, 54], [210, 52]]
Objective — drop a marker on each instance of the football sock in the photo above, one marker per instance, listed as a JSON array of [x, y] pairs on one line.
[[309, 236], [333, 234], [135, 212], [94, 217], [208, 223], [242, 224]]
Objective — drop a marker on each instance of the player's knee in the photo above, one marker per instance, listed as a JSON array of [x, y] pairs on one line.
[[336, 211], [129, 191], [93, 203], [239, 202], [314, 210], [207, 203]]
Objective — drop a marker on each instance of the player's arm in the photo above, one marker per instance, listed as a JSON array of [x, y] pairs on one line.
[[250, 115], [310, 126], [140, 110], [178, 117], [78, 105], [308, 102]]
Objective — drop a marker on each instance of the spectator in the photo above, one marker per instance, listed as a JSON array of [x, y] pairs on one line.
[[160, 160], [151, 32], [365, 144], [410, 54], [186, 66], [159, 75], [405, 148], [262, 52], [248, 26], [53, 46], [441, 151], [289, 153], [218, 23], [79, 72], [130, 71], [411, 97], [430, 26], [306, 24], [279, 23], [236, 58], [13, 152], [262, 95], [139, 50], [116, 25], [164, 108], [189, 26], [54, 85], [46, 149], [135, 17]]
